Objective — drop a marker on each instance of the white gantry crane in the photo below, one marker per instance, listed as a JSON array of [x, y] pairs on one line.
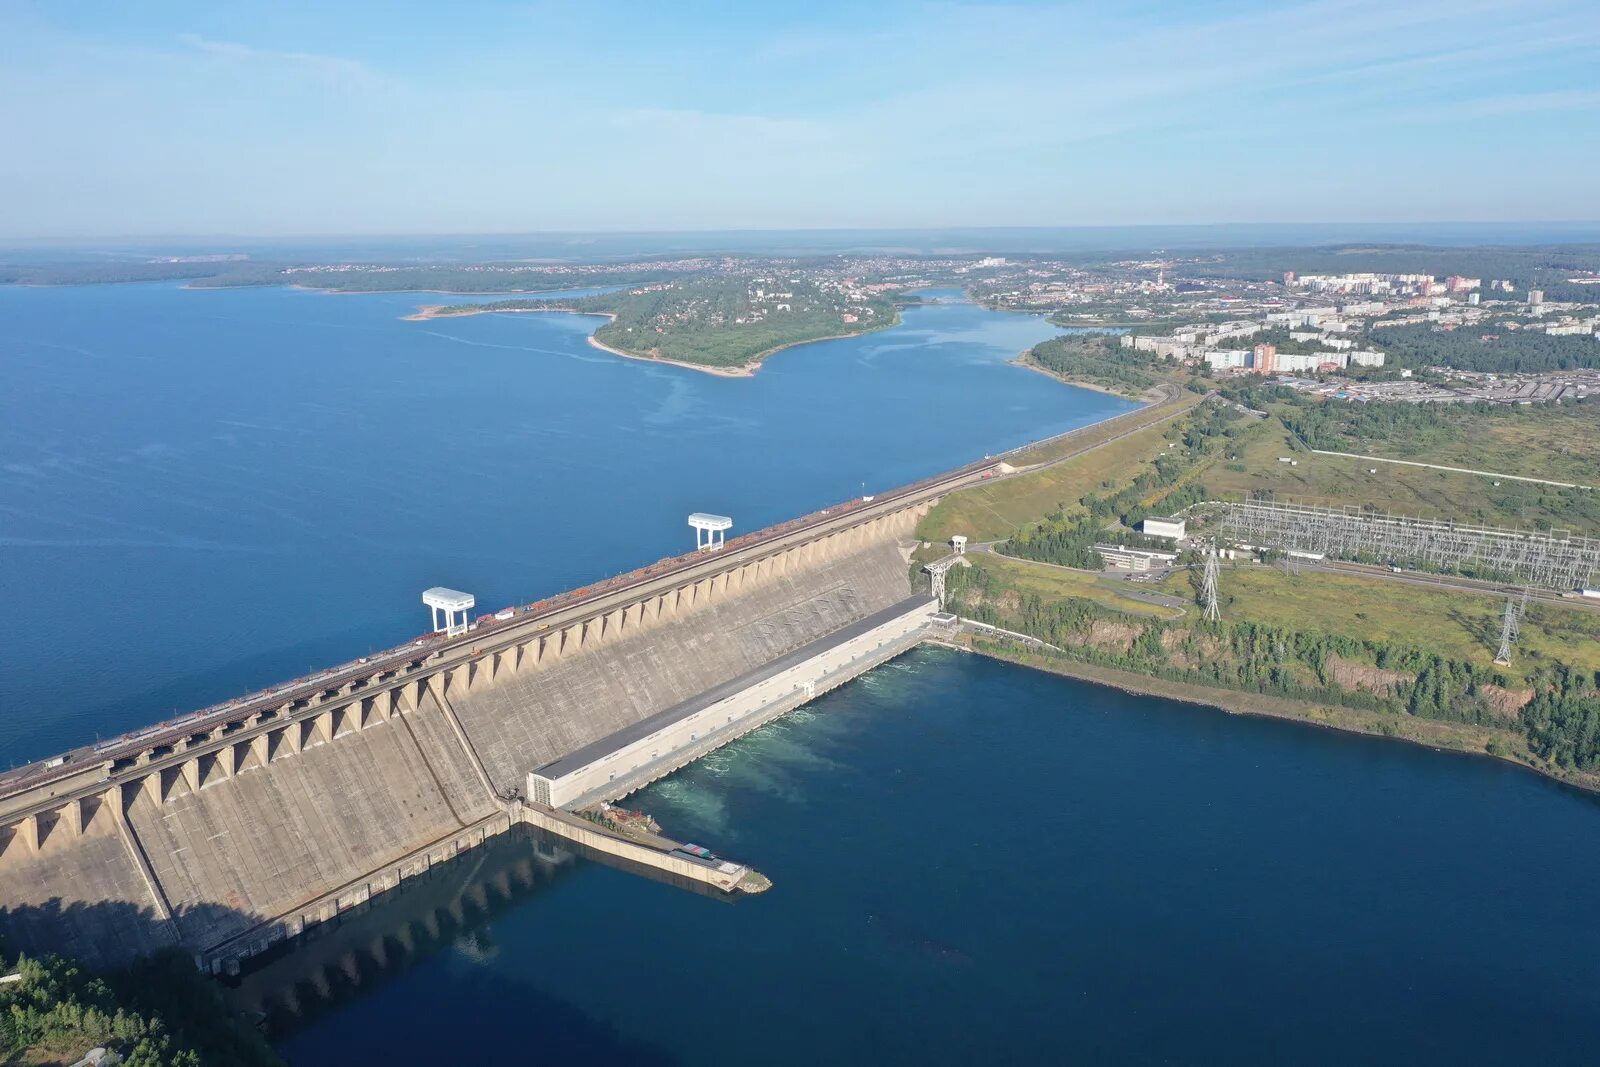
[[710, 531], [454, 604], [937, 569]]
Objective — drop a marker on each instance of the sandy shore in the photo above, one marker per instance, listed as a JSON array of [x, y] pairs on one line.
[[744, 371], [436, 311], [432, 311]]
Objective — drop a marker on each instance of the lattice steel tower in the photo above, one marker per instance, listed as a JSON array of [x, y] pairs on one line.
[[1208, 586], [1511, 627]]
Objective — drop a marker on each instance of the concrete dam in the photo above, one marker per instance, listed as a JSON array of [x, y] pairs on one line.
[[230, 830], [227, 831]]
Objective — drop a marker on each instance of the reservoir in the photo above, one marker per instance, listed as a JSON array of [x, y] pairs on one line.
[[207, 491]]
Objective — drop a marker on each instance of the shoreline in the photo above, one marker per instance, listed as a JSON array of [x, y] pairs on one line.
[[1149, 396], [430, 312], [746, 370], [1453, 738]]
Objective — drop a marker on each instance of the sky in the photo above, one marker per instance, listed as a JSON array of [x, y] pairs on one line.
[[217, 118]]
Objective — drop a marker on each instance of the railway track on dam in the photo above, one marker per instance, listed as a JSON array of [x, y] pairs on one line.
[[88, 770]]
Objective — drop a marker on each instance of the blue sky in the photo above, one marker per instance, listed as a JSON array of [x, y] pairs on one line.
[[275, 119]]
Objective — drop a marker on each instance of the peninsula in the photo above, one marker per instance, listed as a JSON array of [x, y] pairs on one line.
[[725, 324]]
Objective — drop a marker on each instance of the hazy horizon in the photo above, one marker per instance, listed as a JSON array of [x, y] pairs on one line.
[[620, 244]]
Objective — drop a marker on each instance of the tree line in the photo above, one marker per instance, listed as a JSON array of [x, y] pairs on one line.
[[1069, 540], [160, 1012], [1279, 661], [1490, 348], [1098, 360]]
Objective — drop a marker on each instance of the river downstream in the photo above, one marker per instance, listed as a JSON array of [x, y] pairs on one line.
[[978, 863]]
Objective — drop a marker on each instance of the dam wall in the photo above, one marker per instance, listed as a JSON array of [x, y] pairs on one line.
[[650, 748], [701, 639], [273, 835], [248, 826]]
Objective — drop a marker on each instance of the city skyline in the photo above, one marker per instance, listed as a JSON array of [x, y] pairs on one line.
[[550, 117]]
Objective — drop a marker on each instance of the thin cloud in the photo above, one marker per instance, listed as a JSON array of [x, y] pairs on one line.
[[1527, 103], [333, 67], [712, 126]]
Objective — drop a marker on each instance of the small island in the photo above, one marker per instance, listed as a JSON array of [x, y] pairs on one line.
[[725, 325]]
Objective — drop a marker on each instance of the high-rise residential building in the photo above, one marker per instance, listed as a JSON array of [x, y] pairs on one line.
[[1264, 358], [1536, 296]]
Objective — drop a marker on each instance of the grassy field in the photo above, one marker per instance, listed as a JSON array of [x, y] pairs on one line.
[[1559, 443], [1457, 625], [1057, 583], [1334, 480], [1461, 626], [1088, 436], [996, 511]]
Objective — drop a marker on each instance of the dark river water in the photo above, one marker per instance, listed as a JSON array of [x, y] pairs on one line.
[[976, 863], [973, 863]]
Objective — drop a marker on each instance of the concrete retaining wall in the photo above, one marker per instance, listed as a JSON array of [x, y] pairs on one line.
[[586, 835], [621, 764], [557, 705], [82, 893]]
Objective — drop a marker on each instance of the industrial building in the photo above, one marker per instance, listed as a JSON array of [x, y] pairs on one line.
[[1173, 527]]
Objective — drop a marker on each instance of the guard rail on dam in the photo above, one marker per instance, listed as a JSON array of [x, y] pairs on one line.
[[243, 824]]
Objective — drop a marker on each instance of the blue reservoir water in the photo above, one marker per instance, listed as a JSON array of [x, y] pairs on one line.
[[973, 863], [203, 492]]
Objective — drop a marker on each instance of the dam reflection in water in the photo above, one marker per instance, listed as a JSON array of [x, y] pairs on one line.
[[451, 908]]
